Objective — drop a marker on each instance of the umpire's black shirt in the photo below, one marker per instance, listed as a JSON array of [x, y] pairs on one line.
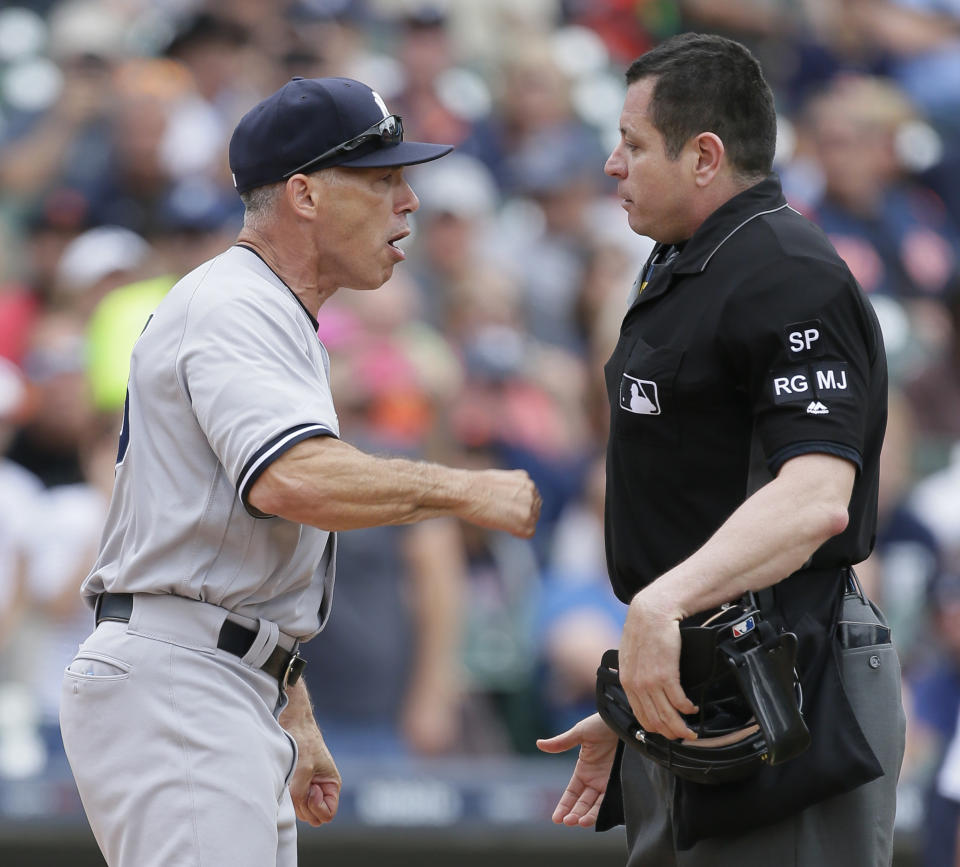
[[750, 345]]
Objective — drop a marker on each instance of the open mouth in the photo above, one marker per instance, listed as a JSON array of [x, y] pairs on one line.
[[394, 243]]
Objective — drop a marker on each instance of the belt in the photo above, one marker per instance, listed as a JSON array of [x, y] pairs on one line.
[[284, 665]]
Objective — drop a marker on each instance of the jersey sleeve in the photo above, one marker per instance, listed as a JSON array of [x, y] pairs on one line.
[[255, 385], [803, 344]]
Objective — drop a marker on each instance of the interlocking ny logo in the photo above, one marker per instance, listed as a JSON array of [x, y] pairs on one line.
[[639, 396]]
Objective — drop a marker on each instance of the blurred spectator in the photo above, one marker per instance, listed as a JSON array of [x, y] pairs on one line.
[[21, 753], [214, 49], [579, 617], [934, 390], [65, 143], [59, 550], [935, 498], [557, 171], [19, 487], [439, 99], [331, 38], [390, 369], [400, 590], [536, 116], [45, 231], [627, 27], [399, 598], [907, 557], [148, 93], [522, 403], [48, 443], [920, 40], [448, 258], [933, 723], [896, 236], [499, 655], [95, 262], [113, 329], [197, 219]]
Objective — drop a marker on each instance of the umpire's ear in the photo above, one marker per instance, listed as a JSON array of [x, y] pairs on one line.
[[706, 153]]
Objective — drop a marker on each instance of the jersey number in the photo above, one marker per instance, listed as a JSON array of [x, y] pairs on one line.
[[125, 426]]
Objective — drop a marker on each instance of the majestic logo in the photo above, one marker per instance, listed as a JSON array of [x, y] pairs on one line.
[[743, 627], [639, 396], [816, 408]]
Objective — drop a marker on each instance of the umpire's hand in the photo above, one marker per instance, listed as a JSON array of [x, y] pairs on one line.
[[650, 667]]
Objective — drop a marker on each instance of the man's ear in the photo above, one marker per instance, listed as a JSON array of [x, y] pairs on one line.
[[302, 196], [709, 153]]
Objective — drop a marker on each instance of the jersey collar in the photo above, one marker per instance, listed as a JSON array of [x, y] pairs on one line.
[[762, 198], [310, 316]]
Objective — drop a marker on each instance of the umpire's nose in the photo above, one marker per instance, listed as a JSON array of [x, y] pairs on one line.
[[616, 165]]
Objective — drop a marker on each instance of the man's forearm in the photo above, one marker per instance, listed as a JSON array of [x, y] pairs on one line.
[[298, 713], [770, 536], [329, 484]]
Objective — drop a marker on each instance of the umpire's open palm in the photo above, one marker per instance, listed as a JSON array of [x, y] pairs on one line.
[[580, 803]]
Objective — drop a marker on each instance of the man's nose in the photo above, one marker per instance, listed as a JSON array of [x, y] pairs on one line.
[[407, 201], [615, 165]]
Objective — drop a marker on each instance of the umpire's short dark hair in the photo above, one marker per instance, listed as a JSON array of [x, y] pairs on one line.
[[707, 83]]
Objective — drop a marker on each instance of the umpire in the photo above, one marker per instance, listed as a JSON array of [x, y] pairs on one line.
[[185, 720], [747, 402]]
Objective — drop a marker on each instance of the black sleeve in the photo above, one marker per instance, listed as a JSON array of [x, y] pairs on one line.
[[802, 347]]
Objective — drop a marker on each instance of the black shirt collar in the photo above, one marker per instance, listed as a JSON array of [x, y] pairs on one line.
[[732, 215]]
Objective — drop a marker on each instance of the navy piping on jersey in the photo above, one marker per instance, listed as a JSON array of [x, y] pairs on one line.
[[268, 453], [316, 324], [780, 457]]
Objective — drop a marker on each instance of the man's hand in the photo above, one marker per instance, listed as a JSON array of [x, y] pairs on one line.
[[315, 785], [580, 803], [650, 666], [503, 500]]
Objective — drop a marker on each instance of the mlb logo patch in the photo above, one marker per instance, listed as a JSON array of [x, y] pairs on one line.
[[639, 396], [743, 627]]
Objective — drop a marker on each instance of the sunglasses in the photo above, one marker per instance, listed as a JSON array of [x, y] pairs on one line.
[[389, 130]]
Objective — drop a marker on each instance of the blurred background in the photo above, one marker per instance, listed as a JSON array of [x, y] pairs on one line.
[[452, 648]]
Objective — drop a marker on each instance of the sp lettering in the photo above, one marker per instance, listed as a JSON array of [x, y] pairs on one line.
[[804, 339]]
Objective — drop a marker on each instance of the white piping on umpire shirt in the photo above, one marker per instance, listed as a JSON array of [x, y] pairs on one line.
[[744, 223], [253, 471]]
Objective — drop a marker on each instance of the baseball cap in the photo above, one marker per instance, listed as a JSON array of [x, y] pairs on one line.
[[314, 123]]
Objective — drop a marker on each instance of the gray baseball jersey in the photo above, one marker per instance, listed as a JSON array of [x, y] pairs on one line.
[[227, 375]]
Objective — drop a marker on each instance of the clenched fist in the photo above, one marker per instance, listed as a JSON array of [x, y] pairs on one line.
[[503, 500]]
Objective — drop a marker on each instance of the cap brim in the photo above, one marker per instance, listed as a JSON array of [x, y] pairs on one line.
[[407, 153]]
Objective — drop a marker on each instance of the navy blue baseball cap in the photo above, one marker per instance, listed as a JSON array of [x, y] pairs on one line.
[[314, 123]]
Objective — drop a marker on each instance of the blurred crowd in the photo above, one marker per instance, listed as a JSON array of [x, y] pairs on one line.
[[485, 348]]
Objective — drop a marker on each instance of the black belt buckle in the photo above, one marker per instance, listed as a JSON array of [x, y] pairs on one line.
[[294, 669]]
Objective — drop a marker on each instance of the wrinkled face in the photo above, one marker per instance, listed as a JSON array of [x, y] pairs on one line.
[[654, 189], [363, 213]]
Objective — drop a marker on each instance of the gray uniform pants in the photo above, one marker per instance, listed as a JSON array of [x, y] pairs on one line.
[[174, 744], [850, 830]]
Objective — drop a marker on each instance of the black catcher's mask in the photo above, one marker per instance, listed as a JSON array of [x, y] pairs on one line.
[[740, 672]]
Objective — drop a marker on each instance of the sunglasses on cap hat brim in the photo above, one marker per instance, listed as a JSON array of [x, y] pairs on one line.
[[389, 130]]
